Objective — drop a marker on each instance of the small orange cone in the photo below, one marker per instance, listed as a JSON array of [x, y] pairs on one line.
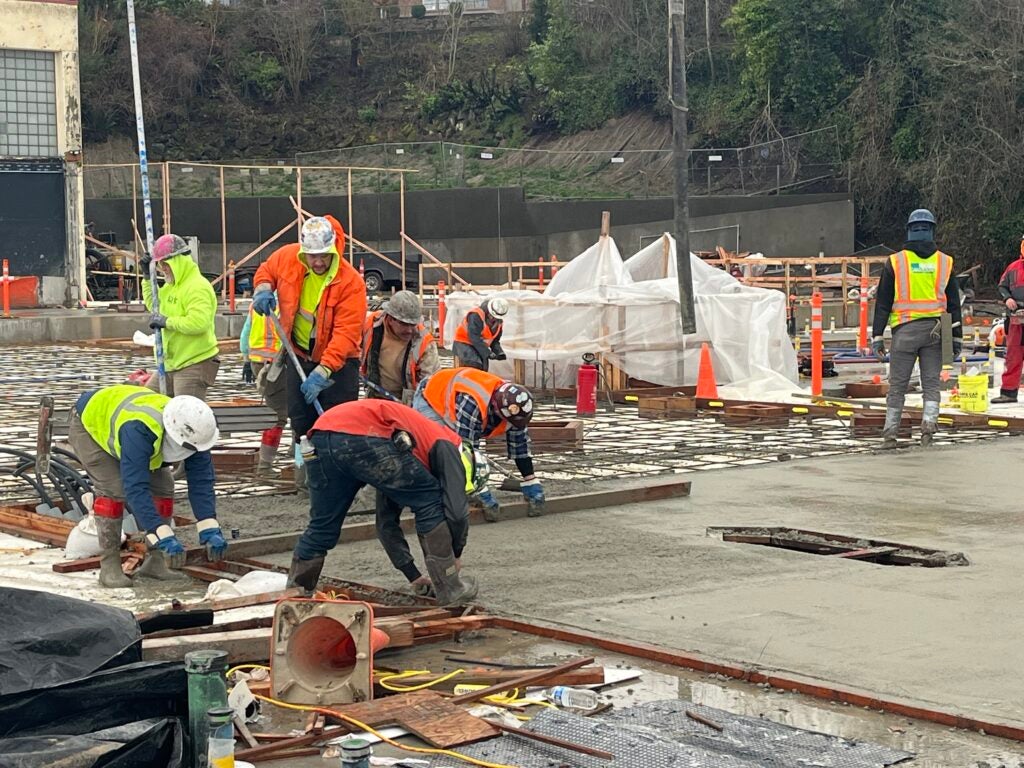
[[706, 386]]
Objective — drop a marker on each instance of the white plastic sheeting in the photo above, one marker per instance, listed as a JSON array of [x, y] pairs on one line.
[[628, 312]]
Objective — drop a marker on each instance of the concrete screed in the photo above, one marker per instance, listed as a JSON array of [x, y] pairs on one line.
[[947, 637]]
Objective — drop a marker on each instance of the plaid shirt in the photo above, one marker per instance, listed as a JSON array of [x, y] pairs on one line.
[[469, 424]]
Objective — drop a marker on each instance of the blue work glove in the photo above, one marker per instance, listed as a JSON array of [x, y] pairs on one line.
[[157, 320], [170, 546], [248, 377], [215, 544], [264, 302], [491, 506], [878, 347], [958, 346], [315, 383], [533, 492]]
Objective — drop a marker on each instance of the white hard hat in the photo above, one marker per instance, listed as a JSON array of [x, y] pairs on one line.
[[317, 235], [497, 307], [190, 423], [405, 307]]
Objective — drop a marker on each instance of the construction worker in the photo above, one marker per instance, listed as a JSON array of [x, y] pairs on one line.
[[323, 305], [411, 460], [1011, 290], [478, 405], [264, 367], [398, 351], [187, 312], [125, 437], [916, 288], [478, 337]]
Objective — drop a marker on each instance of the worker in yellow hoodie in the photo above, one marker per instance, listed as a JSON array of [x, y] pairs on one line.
[[188, 310]]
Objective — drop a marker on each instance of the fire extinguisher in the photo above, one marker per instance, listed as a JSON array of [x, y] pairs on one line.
[[586, 387]]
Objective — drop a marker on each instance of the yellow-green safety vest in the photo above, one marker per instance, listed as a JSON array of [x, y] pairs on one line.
[[263, 341], [108, 410], [920, 286]]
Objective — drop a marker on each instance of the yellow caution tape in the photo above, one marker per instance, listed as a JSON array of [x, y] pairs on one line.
[[631, 398], [844, 413], [798, 409], [716, 404]]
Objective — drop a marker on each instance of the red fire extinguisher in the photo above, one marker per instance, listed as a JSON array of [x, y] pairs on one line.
[[586, 387]]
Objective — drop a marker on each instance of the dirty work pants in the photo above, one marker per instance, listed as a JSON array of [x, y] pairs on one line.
[[917, 341], [105, 471], [275, 393], [342, 465], [469, 357], [392, 538], [1014, 358], [344, 389], [192, 380]]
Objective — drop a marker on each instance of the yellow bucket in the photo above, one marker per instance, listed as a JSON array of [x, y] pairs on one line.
[[973, 393]]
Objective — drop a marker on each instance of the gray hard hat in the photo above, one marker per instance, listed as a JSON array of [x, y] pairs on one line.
[[405, 307], [921, 216]]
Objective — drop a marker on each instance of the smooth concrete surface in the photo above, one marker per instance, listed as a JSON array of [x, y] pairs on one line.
[[41, 326], [947, 637]]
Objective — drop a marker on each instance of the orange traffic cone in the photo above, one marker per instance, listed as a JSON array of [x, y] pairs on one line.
[[706, 386]]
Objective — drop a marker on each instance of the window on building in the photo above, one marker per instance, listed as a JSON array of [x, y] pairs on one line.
[[28, 104]]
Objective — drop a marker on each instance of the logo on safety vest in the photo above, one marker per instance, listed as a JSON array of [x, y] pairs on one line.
[[919, 267]]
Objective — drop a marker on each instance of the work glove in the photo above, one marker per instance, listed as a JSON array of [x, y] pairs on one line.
[[315, 383], [172, 549], [490, 504], [248, 377], [264, 302], [958, 346], [1011, 305], [144, 263], [498, 356], [533, 492], [215, 544], [157, 321], [878, 347]]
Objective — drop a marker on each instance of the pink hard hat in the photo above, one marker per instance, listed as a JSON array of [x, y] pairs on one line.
[[167, 246]]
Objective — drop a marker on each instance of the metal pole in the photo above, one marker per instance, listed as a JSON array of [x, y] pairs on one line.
[[351, 226], [677, 97], [287, 344], [147, 205], [223, 231], [401, 213]]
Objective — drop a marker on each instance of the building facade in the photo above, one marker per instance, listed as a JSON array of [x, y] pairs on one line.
[[41, 195]]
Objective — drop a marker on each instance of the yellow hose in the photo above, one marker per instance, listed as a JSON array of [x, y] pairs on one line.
[[383, 682]]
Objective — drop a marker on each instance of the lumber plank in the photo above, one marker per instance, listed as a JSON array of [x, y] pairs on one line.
[[244, 601], [555, 742], [460, 624], [522, 681], [868, 553], [476, 676], [241, 646]]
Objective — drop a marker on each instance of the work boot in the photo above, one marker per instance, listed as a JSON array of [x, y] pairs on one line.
[[268, 452], [108, 532], [305, 573], [301, 486], [451, 586], [929, 422], [892, 427], [1005, 396], [155, 567], [266, 469]]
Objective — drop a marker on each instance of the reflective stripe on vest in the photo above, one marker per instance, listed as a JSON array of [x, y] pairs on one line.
[[920, 290], [125, 403], [442, 388], [263, 342], [462, 332]]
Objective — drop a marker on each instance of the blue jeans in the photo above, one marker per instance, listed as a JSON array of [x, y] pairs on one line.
[[420, 405], [342, 465]]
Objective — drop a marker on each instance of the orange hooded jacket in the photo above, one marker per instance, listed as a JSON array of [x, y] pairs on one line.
[[339, 316]]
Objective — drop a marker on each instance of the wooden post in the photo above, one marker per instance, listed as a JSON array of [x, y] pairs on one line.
[[606, 223], [351, 226], [666, 248], [845, 323], [298, 198], [167, 197], [223, 233], [401, 217]]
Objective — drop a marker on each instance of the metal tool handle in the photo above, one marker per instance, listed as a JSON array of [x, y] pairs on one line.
[[287, 345], [378, 389]]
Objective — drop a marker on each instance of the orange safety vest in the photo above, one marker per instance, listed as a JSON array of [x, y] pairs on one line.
[[421, 341], [920, 286], [488, 334], [443, 386]]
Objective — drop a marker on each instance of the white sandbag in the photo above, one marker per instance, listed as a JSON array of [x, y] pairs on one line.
[[82, 541], [252, 583]]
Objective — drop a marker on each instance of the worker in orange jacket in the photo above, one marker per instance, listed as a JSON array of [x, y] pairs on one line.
[[478, 337], [322, 307], [398, 350]]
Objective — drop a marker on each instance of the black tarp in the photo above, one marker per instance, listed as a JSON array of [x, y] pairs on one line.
[[144, 743], [49, 639]]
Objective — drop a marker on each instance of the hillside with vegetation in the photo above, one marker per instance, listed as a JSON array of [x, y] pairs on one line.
[[922, 98]]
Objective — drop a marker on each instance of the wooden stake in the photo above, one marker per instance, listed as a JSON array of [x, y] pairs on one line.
[[351, 226], [223, 234], [401, 215]]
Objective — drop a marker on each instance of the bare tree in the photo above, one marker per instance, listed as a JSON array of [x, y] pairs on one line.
[[295, 29], [450, 41]]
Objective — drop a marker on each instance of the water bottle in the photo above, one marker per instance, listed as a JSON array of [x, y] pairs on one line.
[[573, 698], [306, 449]]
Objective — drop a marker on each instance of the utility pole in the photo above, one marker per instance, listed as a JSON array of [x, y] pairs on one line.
[[681, 155]]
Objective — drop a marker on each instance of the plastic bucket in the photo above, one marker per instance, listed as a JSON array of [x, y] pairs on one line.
[[973, 393]]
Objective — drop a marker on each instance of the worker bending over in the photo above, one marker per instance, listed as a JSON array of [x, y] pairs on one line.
[[186, 317], [479, 405], [1011, 291], [323, 305], [125, 436], [398, 351], [478, 337], [917, 286], [414, 462], [264, 366]]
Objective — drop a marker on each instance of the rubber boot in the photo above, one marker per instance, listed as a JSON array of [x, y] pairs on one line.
[[451, 586], [305, 573], [269, 442], [929, 422], [891, 428], [108, 532], [155, 567], [1005, 396]]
